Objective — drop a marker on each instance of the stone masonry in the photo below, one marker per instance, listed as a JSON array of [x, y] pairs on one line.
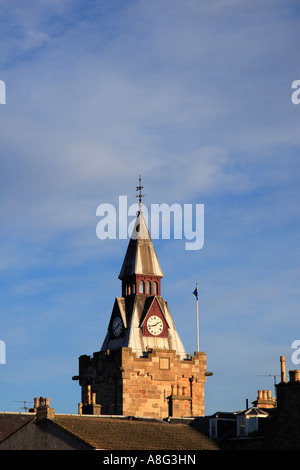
[[158, 385]]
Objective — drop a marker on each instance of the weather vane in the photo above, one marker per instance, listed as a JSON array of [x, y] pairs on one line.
[[139, 188]]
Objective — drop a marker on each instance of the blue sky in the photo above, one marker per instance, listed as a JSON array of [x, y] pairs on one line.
[[196, 97]]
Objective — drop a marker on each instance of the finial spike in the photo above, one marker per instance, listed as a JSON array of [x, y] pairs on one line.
[[139, 188]]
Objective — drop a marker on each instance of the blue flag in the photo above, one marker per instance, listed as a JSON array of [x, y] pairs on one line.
[[195, 293]]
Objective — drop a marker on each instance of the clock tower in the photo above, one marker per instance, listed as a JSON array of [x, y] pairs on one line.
[[142, 368]]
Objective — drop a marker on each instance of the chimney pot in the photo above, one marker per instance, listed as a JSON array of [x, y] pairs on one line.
[[294, 375], [89, 394], [36, 404], [283, 374]]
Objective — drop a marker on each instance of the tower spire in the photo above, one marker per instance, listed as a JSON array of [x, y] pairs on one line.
[[140, 195]]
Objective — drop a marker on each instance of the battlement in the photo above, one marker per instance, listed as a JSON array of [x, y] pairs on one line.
[[145, 386]]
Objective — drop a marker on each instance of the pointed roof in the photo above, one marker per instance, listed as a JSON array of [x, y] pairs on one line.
[[136, 309], [140, 256], [254, 411], [119, 308]]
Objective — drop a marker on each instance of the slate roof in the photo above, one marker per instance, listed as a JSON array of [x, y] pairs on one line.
[[12, 422], [136, 434], [140, 256]]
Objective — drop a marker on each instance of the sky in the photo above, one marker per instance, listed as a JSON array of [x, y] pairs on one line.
[[195, 96]]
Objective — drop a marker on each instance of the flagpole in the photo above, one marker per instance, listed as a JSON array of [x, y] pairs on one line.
[[197, 319]]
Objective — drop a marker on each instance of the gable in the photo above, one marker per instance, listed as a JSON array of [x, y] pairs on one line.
[[154, 308], [118, 310], [12, 422]]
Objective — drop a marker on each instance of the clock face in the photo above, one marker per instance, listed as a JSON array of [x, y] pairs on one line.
[[155, 325], [117, 326]]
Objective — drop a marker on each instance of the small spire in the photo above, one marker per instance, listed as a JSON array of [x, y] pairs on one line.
[[140, 195]]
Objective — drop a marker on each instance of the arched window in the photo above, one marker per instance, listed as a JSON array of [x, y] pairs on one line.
[[128, 289], [154, 287], [148, 287], [141, 287], [133, 288]]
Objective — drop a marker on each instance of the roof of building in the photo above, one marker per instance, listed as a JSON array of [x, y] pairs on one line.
[[255, 411], [140, 256], [133, 434], [230, 415], [12, 422]]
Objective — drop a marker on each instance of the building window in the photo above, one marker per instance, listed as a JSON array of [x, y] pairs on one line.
[[141, 287], [154, 287], [247, 425], [252, 425], [148, 287], [213, 428], [241, 426]]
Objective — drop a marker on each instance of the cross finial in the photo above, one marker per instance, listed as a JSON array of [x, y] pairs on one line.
[[139, 188]]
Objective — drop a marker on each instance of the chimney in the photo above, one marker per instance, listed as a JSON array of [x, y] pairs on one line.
[[36, 404], [89, 394], [264, 399], [44, 411], [283, 375], [294, 375], [90, 407]]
